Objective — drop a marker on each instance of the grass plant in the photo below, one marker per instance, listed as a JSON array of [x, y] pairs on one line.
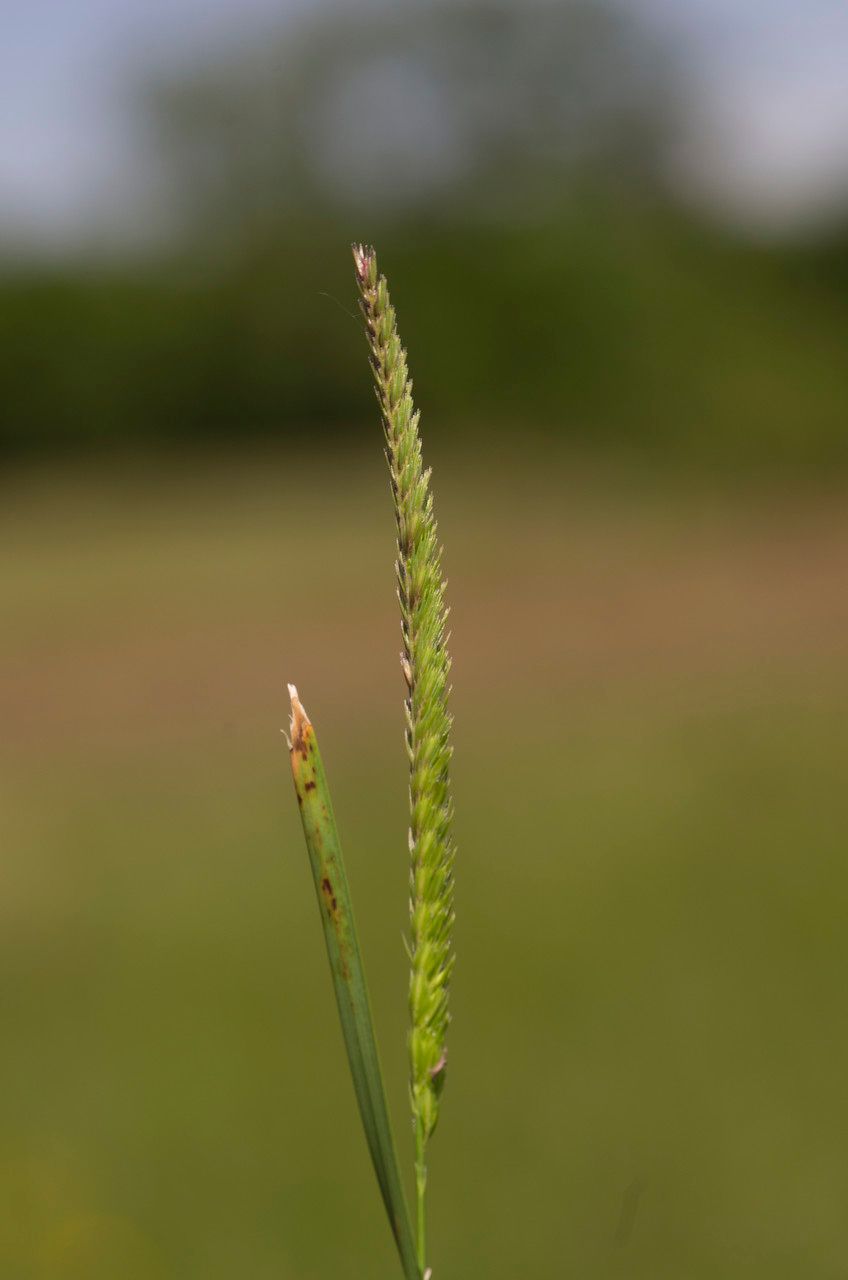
[[425, 665]]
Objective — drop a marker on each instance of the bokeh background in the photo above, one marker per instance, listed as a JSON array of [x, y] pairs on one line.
[[617, 237]]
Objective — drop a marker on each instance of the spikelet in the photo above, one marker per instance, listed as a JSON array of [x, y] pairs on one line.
[[425, 664]]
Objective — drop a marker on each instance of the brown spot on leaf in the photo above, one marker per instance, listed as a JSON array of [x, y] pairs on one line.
[[329, 896]]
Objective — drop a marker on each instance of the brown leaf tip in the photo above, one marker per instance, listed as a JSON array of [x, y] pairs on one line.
[[300, 721]]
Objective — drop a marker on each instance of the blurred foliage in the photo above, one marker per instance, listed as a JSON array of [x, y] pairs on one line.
[[451, 110], [649, 1051], [613, 325], [508, 162]]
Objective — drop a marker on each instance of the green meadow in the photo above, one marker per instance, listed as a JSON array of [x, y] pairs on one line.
[[650, 1047]]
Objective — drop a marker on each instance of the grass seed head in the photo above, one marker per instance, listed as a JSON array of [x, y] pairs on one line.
[[426, 666]]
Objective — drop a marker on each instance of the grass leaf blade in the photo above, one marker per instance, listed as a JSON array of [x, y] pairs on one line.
[[334, 901]]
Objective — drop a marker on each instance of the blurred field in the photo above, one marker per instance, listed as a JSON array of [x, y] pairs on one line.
[[650, 1047]]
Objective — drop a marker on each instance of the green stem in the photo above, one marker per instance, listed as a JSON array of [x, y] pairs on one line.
[[334, 902], [421, 1194]]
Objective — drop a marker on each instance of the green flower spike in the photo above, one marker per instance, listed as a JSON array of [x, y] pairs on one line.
[[426, 666]]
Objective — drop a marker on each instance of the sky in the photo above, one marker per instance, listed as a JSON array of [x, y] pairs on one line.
[[767, 138], [764, 140], [66, 68]]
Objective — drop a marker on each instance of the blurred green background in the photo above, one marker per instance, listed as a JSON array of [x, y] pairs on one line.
[[631, 370]]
